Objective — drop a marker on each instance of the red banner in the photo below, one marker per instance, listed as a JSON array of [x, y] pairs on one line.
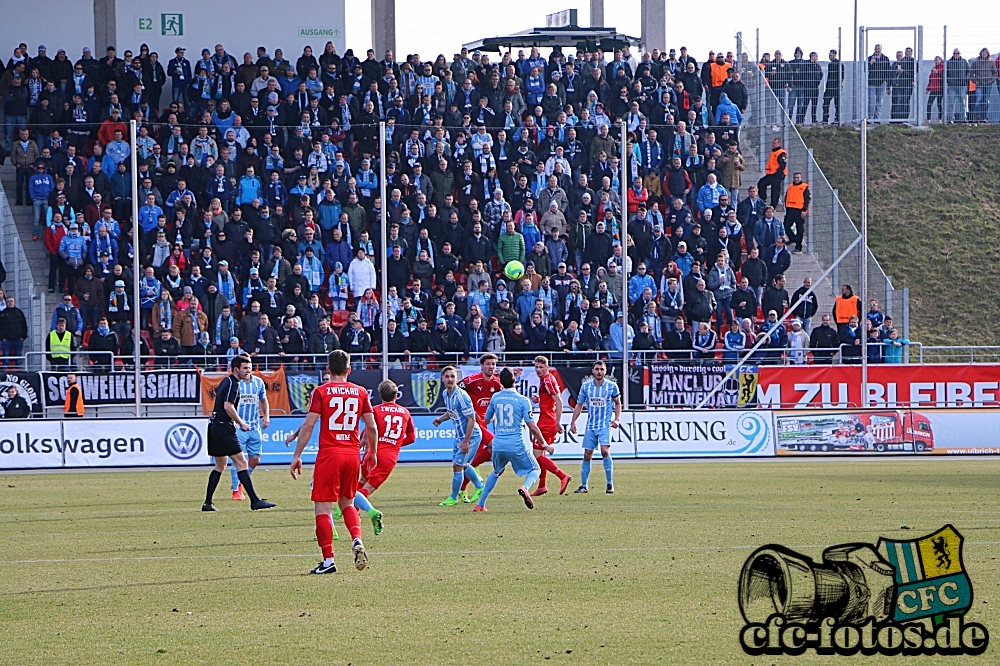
[[839, 386]]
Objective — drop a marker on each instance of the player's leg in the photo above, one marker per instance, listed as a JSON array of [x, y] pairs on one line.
[[237, 492], [213, 482], [525, 465], [470, 472], [372, 476], [546, 464], [256, 503], [609, 466], [483, 455], [324, 537], [589, 446], [348, 468], [499, 463]]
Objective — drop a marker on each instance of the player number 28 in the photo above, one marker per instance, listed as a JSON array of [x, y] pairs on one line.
[[345, 413]]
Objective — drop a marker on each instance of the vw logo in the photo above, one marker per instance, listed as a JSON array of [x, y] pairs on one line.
[[183, 441]]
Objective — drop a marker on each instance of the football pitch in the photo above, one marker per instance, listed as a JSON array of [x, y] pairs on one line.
[[124, 568]]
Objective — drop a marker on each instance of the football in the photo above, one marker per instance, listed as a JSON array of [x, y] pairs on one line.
[[514, 270]]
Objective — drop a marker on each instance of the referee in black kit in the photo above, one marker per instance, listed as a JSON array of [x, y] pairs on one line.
[[222, 442]]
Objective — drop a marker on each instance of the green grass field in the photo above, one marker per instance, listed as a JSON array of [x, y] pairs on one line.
[[123, 568]]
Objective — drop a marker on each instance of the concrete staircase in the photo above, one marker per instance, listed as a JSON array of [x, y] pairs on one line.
[[803, 265], [38, 258]]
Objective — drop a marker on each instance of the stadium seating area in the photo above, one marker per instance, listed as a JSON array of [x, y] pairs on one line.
[[260, 208]]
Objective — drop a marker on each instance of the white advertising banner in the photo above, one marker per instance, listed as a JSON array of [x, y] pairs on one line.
[[240, 29], [30, 444], [135, 442], [690, 433]]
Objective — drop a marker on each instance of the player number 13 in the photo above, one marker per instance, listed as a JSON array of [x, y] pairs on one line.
[[345, 413]]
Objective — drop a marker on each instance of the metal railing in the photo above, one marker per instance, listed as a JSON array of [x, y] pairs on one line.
[[20, 283], [828, 228], [93, 361]]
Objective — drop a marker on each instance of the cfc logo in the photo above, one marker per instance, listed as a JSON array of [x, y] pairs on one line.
[[183, 441]]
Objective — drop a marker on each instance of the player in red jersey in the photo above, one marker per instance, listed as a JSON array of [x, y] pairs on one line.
[[395, 430], [339, 406], [481, 386], [549, 401]]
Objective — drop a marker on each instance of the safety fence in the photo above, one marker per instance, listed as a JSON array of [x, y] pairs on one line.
[[640, 434], [827, 230], [888, 74], [663, 385]]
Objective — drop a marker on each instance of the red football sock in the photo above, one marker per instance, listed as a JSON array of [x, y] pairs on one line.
[[547, 464], [352, 521], [482, 456], [324, 534], [364, 491]]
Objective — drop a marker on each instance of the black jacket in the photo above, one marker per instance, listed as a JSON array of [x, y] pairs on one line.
[[13, 325], [808, 307], [17, 408]]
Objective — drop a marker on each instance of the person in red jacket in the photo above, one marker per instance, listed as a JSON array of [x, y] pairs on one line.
[[934, 83], [637, 194], [52, 238]]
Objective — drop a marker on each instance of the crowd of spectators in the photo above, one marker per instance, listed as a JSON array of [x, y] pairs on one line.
[[260, 208]]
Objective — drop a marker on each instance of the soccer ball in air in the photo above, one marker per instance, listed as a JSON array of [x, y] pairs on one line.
[[514, 270]]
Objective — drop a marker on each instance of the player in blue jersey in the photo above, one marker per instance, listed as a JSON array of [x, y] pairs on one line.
[[255, 411], [604, 409], [510, 412], [468, 435]]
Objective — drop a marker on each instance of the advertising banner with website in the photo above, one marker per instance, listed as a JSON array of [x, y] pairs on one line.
[[887, 431], [161, 387], [917, 386], [690, 433]]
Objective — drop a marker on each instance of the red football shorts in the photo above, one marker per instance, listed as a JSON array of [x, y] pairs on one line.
[[549, 430], [336, 476], [375, 475]]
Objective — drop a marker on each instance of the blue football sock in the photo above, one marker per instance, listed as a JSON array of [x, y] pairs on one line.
[[491, 482], [236, 479], [584, 473], [361, 503], [609, 468], [456, 484], [532, 478], [473, 476]]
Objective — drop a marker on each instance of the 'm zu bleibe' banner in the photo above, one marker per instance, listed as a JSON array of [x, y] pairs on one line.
[[839, 386]]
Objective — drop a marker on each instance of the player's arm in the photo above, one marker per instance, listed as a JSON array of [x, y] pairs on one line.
[[305, 434], [536, 432], [410, 435], [557, 397], [576, 414], [470, 424], [292, 437], [265, 410], [371, 430], [235, 416], [618, 411], [441, 419]]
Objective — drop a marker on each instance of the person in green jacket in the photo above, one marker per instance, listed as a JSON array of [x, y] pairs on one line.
[[510, 245]]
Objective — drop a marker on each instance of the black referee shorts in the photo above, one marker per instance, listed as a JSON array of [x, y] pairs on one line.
[[222, 440]]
